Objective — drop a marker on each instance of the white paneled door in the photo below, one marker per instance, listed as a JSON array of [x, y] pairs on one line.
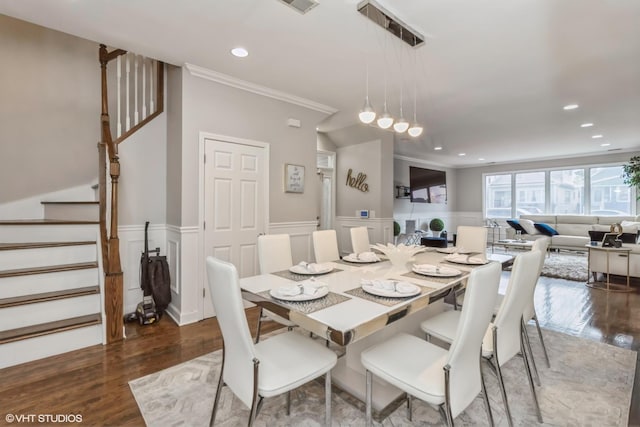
[[235, 204]]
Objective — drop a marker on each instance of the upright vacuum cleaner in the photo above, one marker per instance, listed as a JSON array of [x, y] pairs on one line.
[[155, 282]]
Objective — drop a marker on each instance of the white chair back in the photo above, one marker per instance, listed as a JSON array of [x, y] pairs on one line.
[[541, 245], [473, 239], [274, 252], [464, 354], [325, 245], [360, 240], [238, 345], [522, 282]]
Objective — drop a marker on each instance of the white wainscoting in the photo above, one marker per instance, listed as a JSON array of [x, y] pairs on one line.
[[380, 231], [301, 240], [187, 274], [451, 220]]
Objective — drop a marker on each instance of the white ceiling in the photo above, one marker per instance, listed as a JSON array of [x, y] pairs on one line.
[[492, 77]]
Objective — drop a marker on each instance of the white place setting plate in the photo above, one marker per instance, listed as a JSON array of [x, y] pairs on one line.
[[452, 250], [466, 259], [310, 268], [435, 270], [303, 291], [390, 288], [368, 259]]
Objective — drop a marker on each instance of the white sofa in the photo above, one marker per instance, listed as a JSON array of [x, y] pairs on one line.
[[573, 234]]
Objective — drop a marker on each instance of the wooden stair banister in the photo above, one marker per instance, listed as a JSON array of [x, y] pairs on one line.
[[108, 152]]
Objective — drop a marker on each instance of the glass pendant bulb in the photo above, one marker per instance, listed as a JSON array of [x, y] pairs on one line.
[[401, 125], [367, 114], [385, 120], [415, 130]]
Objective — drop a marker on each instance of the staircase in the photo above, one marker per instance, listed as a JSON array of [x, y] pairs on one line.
[[51, 283]]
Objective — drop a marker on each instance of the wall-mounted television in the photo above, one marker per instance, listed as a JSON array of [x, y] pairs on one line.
[[427, 185]]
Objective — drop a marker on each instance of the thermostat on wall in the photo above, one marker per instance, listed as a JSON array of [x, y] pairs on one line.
[[363, 214]]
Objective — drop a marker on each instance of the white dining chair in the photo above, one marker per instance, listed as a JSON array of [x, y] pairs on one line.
[[274, 254], [505, 336], [541, 245], [360, 240], [325, 246], [270, 368], [472, 239], [449, 380]]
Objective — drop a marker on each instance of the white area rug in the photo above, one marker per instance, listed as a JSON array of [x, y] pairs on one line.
[[566, 265], [589, 383]]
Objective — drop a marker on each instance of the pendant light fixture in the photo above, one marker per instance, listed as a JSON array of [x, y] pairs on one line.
[[367, 114], [401, 125], [416, 129]]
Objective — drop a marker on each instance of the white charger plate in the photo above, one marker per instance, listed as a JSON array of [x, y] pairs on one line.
[[298, 269], [322, 291], [389, 293], [348, 258], [432, 270], [465, 261]]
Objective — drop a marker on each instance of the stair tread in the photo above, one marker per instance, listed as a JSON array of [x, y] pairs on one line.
[[36, 245], [48, 269], [45, 222], [49, 328], [70, 202], [48, 296]]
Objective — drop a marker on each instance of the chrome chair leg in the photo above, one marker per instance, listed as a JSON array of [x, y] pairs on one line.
[[485, 396], [254, 400], [531, 386], [327, 398], [544, 347], [368, 400], [289, 403], [527, 344], [409, 407], [218, 389], [447, 396], [259, 326], [500, 378]]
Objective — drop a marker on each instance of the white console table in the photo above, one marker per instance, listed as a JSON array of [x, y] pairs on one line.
[[599, 250]]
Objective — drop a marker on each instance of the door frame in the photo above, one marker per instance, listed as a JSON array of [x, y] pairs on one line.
[[333, 156], [204, 136]]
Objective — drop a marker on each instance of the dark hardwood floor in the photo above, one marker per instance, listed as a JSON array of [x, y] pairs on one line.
[[93, 382]]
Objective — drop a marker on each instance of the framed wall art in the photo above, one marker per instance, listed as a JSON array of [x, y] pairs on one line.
[[293, 178]]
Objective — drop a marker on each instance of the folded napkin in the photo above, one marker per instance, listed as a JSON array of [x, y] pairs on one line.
[[365, 256], [307, 287], [312, 267], [390, 285], [467, 259]]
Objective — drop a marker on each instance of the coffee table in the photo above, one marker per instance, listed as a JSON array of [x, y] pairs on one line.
[[518, 244]]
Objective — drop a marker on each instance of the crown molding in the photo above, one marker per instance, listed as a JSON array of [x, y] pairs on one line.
[[421, 161], [225, 79]]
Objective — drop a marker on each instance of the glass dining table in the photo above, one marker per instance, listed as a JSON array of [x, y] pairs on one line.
[[356, 315]]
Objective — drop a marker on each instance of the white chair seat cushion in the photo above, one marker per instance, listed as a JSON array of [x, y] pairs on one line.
[[443, 326], [399, 359], [290, 360], [272, 316]]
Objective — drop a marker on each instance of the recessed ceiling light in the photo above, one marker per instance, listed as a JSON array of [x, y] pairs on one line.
[[481, 158], [438, 148], [570, 107], [596, 136], [239, 52], [462, 154], [606, 144], [586, 125]]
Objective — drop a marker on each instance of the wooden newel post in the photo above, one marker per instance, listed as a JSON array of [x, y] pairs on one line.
[[113, 270]]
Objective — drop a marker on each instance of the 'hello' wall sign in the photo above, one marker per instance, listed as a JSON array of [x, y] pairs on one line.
[[358, 182]]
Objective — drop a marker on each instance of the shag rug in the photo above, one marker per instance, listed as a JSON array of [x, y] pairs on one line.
[[566, 265], [589, 383]]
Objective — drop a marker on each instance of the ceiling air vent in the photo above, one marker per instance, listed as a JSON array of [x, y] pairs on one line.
[[302, 6], [378, 14]]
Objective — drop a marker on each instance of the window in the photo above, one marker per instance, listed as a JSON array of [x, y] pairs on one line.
[[498, 196], [609, 194], [597, 190], [567, 191]]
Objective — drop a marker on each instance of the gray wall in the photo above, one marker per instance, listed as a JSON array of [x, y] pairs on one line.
[[49, 110], [211, 107], [174, 145], [468, 191]]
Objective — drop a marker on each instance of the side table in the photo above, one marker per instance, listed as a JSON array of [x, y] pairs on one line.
[[607, 286]]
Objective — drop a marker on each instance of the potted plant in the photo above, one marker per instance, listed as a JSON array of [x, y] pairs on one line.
[[436, 225], [396, 231], [631, 174]]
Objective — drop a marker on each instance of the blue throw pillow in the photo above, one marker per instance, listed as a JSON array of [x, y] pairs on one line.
[[545, 229], [516, 225]]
